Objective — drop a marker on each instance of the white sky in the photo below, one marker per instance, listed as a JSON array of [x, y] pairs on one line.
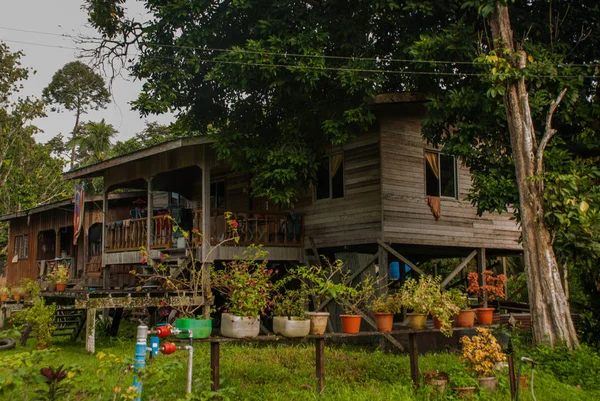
[[64, 17]]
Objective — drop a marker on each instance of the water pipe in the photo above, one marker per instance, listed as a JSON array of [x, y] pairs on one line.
[[529, 360], [141, 348]]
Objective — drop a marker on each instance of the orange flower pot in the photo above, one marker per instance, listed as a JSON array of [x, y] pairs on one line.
[[60, 287], [384, 321], [465, 318], [436, 323], [4, 297], [350, 323], [16, 297], [485, 315]]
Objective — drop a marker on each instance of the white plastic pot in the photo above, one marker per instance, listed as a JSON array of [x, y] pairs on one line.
[[239, 326], [293, 327]]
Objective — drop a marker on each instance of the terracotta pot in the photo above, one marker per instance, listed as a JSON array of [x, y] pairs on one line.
[[384, 321], [16, 297], [318, 322], [4, 297], [465, 393], [417, 321], [436, 323], [465, 318], [350, 323], [485, 315], [40, 346], [437, 380], [60, 287], [488, 383]]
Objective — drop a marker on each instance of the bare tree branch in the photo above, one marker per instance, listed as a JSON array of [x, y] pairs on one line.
[[548, 132]]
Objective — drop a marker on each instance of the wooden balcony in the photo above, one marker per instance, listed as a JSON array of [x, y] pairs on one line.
[[131, 234], [281, 229]]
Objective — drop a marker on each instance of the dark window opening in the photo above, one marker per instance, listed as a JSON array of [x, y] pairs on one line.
[[330, 178], [95, 240], [440, 175], [217, 195]]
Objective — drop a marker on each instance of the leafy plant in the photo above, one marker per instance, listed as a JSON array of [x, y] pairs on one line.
[[444, 310], [321, 282], [41, 318], [482, 352], [458, 298], [58, 387], [32, 288], [492, 288], [246, 283], [421, 296], [60, 274], [17, 290], [4, 290], [386, 303], [461, 379], [354, 298], [290, 303]]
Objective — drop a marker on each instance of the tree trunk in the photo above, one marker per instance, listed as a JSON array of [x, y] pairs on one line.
[[550, 315], [74, 134]]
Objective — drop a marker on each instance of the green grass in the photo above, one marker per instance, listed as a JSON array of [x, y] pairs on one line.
[[285, 371]]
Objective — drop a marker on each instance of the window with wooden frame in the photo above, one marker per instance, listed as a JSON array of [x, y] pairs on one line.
[[22, 246], [440, 175], [330, 177]]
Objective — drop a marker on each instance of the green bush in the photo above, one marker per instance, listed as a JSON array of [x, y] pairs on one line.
[[577, 368]]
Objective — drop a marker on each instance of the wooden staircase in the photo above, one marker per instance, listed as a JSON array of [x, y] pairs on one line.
[[69, 322]]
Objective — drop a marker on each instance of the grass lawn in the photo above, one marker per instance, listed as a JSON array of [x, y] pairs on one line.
[[281, 371]]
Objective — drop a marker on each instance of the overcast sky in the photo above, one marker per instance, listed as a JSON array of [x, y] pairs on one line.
[[46, 51]]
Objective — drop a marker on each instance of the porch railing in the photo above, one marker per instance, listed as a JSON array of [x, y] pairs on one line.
[[131, 234], [260, 228], [269, 229]]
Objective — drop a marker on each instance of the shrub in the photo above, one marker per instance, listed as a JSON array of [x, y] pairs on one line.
[[482, 352]]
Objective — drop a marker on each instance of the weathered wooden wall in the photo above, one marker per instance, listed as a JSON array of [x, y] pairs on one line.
[[355, 218], [407, 218], [54, 219]]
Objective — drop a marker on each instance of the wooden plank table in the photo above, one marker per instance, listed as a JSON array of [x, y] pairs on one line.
[[413, 351]]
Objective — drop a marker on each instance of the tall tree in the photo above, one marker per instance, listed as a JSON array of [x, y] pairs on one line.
[[93, 142], [29, 175], [76, 87], [280, 79], [153, 134]]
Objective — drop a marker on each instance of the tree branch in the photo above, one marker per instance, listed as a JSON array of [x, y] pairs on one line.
[[548, 133]]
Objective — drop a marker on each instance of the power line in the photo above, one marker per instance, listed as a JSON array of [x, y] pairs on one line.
[[314, 68], [285, 54]]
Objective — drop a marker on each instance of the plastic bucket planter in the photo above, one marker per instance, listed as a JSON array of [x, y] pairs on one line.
[[200, 328], [292, 328], [239, 326]]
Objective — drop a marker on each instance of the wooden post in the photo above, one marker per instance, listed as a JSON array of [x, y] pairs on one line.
[[413, 352], [206, 291], [506, 282], [105, 273], [90, 331], [114, 327], [458, 269], [320, 364], [214, 366], [383, 270], [480, 269], [149, 209]]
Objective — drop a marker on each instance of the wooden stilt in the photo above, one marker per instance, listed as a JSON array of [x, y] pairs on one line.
[[320, 364], [413, 352]]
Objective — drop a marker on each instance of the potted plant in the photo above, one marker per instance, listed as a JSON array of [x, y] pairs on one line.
[[352, 299], [481, 353], [4, 293], [61, 277], [420, 297], [289, 318], [17, 292], [491, 288], [436, 379], [31, 288], [444, 311], [466, 315], [246, 284], [463, 384], [384, 307], [320, 282]]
